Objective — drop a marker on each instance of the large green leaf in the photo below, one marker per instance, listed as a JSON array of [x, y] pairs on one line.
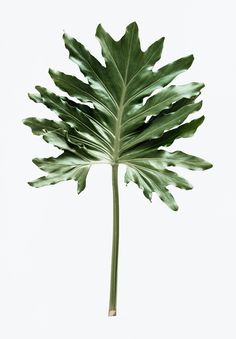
[[117, 116]]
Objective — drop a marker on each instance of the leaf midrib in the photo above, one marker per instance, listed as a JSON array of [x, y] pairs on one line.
[[120, 110]]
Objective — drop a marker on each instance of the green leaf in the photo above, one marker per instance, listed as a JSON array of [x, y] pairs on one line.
[[124, 112], [116, 116]]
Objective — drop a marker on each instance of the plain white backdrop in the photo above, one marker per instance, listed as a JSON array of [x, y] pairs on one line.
[[177, 275]]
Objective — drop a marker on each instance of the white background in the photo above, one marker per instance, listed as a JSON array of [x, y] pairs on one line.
[[177, 270]]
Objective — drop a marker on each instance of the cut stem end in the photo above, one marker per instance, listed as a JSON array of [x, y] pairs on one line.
[[112, 313]]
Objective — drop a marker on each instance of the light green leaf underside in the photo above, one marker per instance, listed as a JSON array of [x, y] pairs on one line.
[[108, 121], [64, 167], [151, 175]]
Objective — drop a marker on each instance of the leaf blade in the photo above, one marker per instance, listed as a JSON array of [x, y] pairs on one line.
[[108, 122]]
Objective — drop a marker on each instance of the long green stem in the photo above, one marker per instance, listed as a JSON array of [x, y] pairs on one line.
[[115, 242]]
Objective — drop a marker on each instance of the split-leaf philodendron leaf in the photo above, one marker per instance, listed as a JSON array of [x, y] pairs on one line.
[[120, 127]]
